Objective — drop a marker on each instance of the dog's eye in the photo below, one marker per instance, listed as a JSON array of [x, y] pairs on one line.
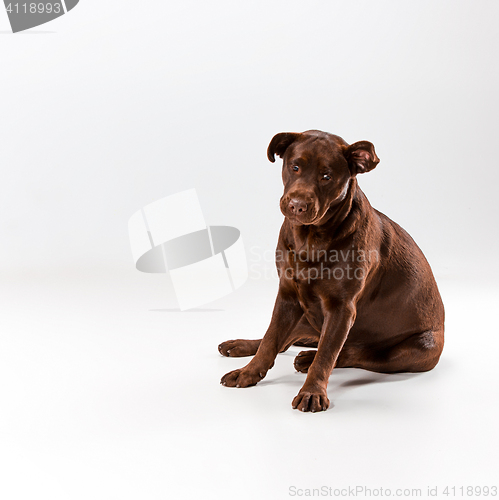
[[295, 168], [326, 177]]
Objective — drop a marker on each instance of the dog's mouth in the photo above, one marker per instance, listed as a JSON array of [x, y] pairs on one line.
[[300, 220]]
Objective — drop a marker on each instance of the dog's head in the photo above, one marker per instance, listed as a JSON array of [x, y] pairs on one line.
[[317, 170]]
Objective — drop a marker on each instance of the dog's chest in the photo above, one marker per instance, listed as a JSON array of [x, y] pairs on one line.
[[304, 275], [308, 294]]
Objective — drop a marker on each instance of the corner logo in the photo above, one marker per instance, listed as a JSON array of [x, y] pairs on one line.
[[204, 262], [26, 15]]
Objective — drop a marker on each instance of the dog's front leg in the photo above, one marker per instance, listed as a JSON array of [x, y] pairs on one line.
[[287, 312], [337, 324]]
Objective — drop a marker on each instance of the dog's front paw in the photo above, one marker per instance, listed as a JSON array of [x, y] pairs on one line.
[[241, 378], [238, 348], [311, 401]]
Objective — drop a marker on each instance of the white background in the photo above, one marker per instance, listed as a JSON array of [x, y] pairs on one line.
[[108, 392]]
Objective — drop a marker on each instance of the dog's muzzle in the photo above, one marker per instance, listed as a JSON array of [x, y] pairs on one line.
[[303, 209]]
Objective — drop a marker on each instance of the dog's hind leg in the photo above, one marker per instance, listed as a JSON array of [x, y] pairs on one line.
[[418, 353], [349, 357], [308, 337], [306, 342], [303, 360], [239, 348]]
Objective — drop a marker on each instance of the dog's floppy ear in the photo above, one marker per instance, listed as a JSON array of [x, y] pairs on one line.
[[279, 144], [361, 157]]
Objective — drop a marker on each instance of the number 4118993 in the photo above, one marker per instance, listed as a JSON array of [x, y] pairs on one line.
[[470, 491], [34, 8]]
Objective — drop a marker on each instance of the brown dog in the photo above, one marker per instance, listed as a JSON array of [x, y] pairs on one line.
[[351, 281]]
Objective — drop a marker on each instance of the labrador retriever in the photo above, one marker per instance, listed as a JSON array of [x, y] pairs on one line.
[[352, 282]]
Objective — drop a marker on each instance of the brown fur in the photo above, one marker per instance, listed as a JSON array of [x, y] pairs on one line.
[[382, 312]]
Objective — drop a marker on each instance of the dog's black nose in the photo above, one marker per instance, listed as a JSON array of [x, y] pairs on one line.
[[297, 206]]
